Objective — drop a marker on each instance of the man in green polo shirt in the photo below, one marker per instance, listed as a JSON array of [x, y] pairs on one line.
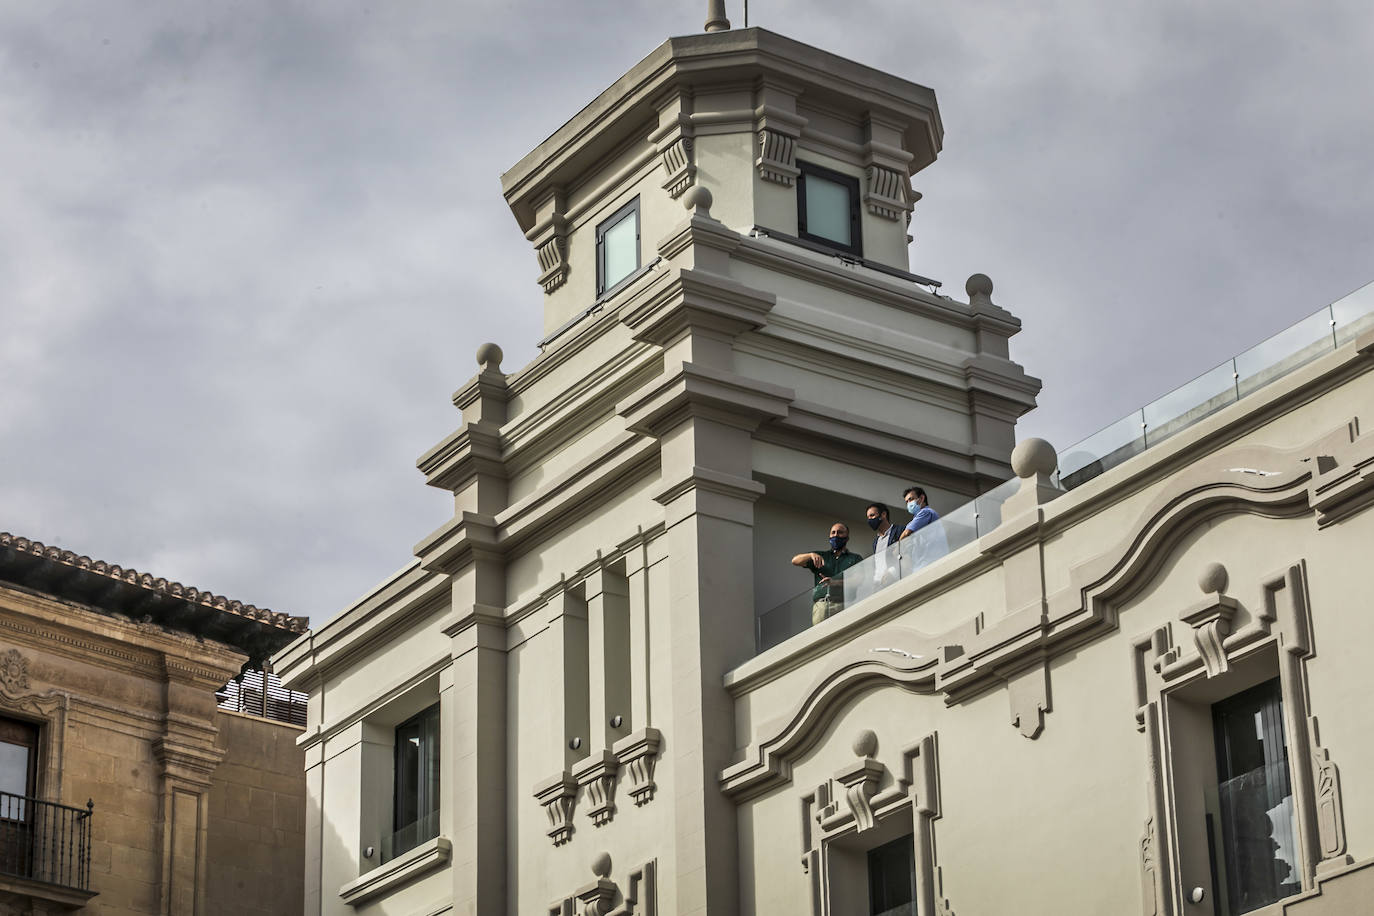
[[828, 595]]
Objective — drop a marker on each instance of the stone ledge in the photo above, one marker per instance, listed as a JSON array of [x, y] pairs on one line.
[[424, 858]]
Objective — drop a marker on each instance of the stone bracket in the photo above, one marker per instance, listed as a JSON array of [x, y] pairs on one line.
[[558, 796], [638, 755], [597, 775]]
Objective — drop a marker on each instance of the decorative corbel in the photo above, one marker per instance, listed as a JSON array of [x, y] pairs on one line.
[[778, 132], [597, 774], [550, 239], [1211, 619], [887, 192], [558, 795], [673, 138], [638, 754], [860, 780]]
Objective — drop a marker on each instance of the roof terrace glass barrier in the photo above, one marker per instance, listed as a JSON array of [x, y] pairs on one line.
[[1296, 346], [1317, 334]]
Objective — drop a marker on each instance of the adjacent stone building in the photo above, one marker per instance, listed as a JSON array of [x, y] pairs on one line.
[[1094, 686], [124, 788]]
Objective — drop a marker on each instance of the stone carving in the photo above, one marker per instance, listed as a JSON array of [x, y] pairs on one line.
[[678, 169], [1149, 902], [1211, 620], [777, 161], [885, 196], [558, 796], [1343, 479], [638, 898], [860, 780], [14, 672], [596, 775], [638, 755], [1326, 781], [553, 262]]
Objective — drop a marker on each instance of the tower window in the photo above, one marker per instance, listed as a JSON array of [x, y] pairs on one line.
[[828, 208], [617, 248]]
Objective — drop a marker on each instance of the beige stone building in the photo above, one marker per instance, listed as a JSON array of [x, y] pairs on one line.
[[125, 787], [1092, 687]]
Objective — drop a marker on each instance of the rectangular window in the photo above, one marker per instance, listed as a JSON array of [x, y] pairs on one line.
[[1258, 841], [416, 801], [892, 879], [828, 208], [617, 248]]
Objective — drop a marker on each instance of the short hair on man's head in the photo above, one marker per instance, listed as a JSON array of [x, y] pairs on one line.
[[914, 490], [882, 509], [842, 525]]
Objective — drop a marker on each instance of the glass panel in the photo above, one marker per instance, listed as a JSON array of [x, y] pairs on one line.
[[14, 768], [1285, 351], [1189, 403], [1104, 449], [1255, 798], [785, 621], [1354, 314], [990, 505], [827, 209], [892, 879], [620, 250], [416, 800], [410, 836]]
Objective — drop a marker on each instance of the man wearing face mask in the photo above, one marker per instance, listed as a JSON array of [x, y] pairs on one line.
[[930, 544], [885, 570], [828, 568]]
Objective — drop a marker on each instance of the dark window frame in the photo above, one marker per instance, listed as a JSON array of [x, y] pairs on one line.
[[610, 222], [856, 246], [430, 773]]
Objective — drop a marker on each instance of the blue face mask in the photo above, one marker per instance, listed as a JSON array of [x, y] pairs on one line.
[[911, 506], [838, 543], [875, 522]]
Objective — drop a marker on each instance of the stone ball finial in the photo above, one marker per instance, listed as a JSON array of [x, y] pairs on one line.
[[1033, 456], [601, 865], [1213, 579], [865, 743], [489, 356], [978, 285], [698, 198]]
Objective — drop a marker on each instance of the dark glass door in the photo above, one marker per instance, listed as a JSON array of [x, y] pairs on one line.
[[892, 879], [1255, 795]]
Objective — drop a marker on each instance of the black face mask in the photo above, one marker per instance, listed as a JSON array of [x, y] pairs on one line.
[[874, 523], [838, 543]]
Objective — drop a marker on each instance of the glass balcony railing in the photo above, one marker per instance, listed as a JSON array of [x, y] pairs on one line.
[[1314, 336]]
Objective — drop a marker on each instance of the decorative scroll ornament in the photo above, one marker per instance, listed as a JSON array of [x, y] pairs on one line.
[[14, 672], [678, 169], [1148, 866], [886, 197], [558, 796], [1211, 620], [638, 755], [553, 263], [596, 774], [777, 161], [860, 781]]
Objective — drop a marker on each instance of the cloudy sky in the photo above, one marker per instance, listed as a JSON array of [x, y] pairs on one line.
[[248, 249]]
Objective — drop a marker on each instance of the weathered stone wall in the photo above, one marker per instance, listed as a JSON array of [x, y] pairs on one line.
[[256, 820]]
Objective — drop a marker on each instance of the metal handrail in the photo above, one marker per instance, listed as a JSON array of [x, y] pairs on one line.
[[45, 841]]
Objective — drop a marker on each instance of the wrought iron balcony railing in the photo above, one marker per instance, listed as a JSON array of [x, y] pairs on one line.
[[45, 841]]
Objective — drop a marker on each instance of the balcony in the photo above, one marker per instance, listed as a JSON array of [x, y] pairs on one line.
[[257, 693], [1320, 333], [45, 850]]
